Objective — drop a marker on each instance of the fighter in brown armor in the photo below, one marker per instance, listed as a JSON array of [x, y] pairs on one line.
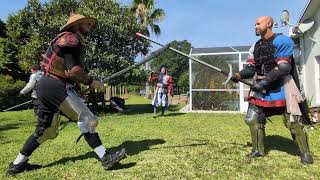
[[64, 67]]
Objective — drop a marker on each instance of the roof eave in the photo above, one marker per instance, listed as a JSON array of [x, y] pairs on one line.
[[302, 17]]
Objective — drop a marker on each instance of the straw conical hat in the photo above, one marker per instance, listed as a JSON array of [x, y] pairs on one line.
[[77, 19]]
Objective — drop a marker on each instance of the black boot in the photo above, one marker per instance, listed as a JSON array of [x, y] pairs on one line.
[[18, 168], [162, 111], [110, 158], [306, 158], [253, 154]]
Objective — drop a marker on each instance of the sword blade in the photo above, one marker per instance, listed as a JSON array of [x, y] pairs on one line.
[[194, 59], [17, 106], [146, 59]]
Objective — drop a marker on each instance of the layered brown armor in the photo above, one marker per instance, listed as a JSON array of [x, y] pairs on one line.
[[54, 60]]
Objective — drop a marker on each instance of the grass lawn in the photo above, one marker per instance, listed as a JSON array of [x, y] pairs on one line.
[[176, 146]]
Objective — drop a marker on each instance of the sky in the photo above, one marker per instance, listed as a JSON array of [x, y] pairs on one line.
[[206, 23]]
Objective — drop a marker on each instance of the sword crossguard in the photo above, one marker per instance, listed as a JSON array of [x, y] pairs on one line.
[[229, 74]]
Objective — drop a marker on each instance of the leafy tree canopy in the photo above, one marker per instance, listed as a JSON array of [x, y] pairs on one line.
[[111, 46]]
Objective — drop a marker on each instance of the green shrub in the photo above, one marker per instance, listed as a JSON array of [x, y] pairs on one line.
[[9, 91], [134, 89]]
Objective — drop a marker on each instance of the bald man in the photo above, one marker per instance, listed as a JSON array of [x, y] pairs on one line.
[[269, 64]]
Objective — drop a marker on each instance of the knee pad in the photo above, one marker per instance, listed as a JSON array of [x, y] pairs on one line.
[[292, 121], [88, 124], [254, 116], [44, 133], [295, 128], [74, 108]]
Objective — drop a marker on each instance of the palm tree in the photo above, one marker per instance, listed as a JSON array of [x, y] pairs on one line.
[[147, 15], [2, 29]]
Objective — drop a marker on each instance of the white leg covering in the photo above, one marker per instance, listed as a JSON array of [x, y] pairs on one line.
[[20, 159], [100, 151]]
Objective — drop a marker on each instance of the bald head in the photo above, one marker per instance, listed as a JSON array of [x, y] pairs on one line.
[[263, 25], [266, 19]]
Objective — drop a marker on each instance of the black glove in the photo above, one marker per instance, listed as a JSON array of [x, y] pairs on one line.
[[259, 86], [235, 77]]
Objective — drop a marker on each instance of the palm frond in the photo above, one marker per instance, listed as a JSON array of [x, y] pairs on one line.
[[158, 15], [156, 29], [147, 15]]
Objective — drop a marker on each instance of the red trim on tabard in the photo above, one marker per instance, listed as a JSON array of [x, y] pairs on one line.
[[259, 102], [283, 59], [251, 61], [52, 58]]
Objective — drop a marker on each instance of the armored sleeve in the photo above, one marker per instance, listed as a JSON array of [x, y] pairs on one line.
[[283, 56], [72, 51], [249, 70]]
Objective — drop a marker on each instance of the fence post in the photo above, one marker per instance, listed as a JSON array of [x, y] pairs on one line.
[[120, 92], [122, 96]]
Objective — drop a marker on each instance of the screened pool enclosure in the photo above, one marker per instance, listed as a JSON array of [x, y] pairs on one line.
[[207, 91]]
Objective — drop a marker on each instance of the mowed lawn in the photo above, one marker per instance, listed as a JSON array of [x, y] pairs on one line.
[[176, 146]]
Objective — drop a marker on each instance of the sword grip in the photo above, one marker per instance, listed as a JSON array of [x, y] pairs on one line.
[[246, 82], [249, 84]]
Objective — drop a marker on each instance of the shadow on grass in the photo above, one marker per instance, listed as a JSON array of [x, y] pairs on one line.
[[173, 114], [64, 160], [233, 145], [185, 145], [16, 125], [276, 142], [146, 108], [118, 166], [7, 127], [200, 142], [175, 107], [132, 148], [135, 147]]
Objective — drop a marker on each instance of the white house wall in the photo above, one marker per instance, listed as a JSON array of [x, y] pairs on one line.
[[310, 54]]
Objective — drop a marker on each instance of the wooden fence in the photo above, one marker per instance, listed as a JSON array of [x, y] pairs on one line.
[[120, 91]]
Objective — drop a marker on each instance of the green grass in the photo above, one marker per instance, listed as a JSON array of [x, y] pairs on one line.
[[176, 146]]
